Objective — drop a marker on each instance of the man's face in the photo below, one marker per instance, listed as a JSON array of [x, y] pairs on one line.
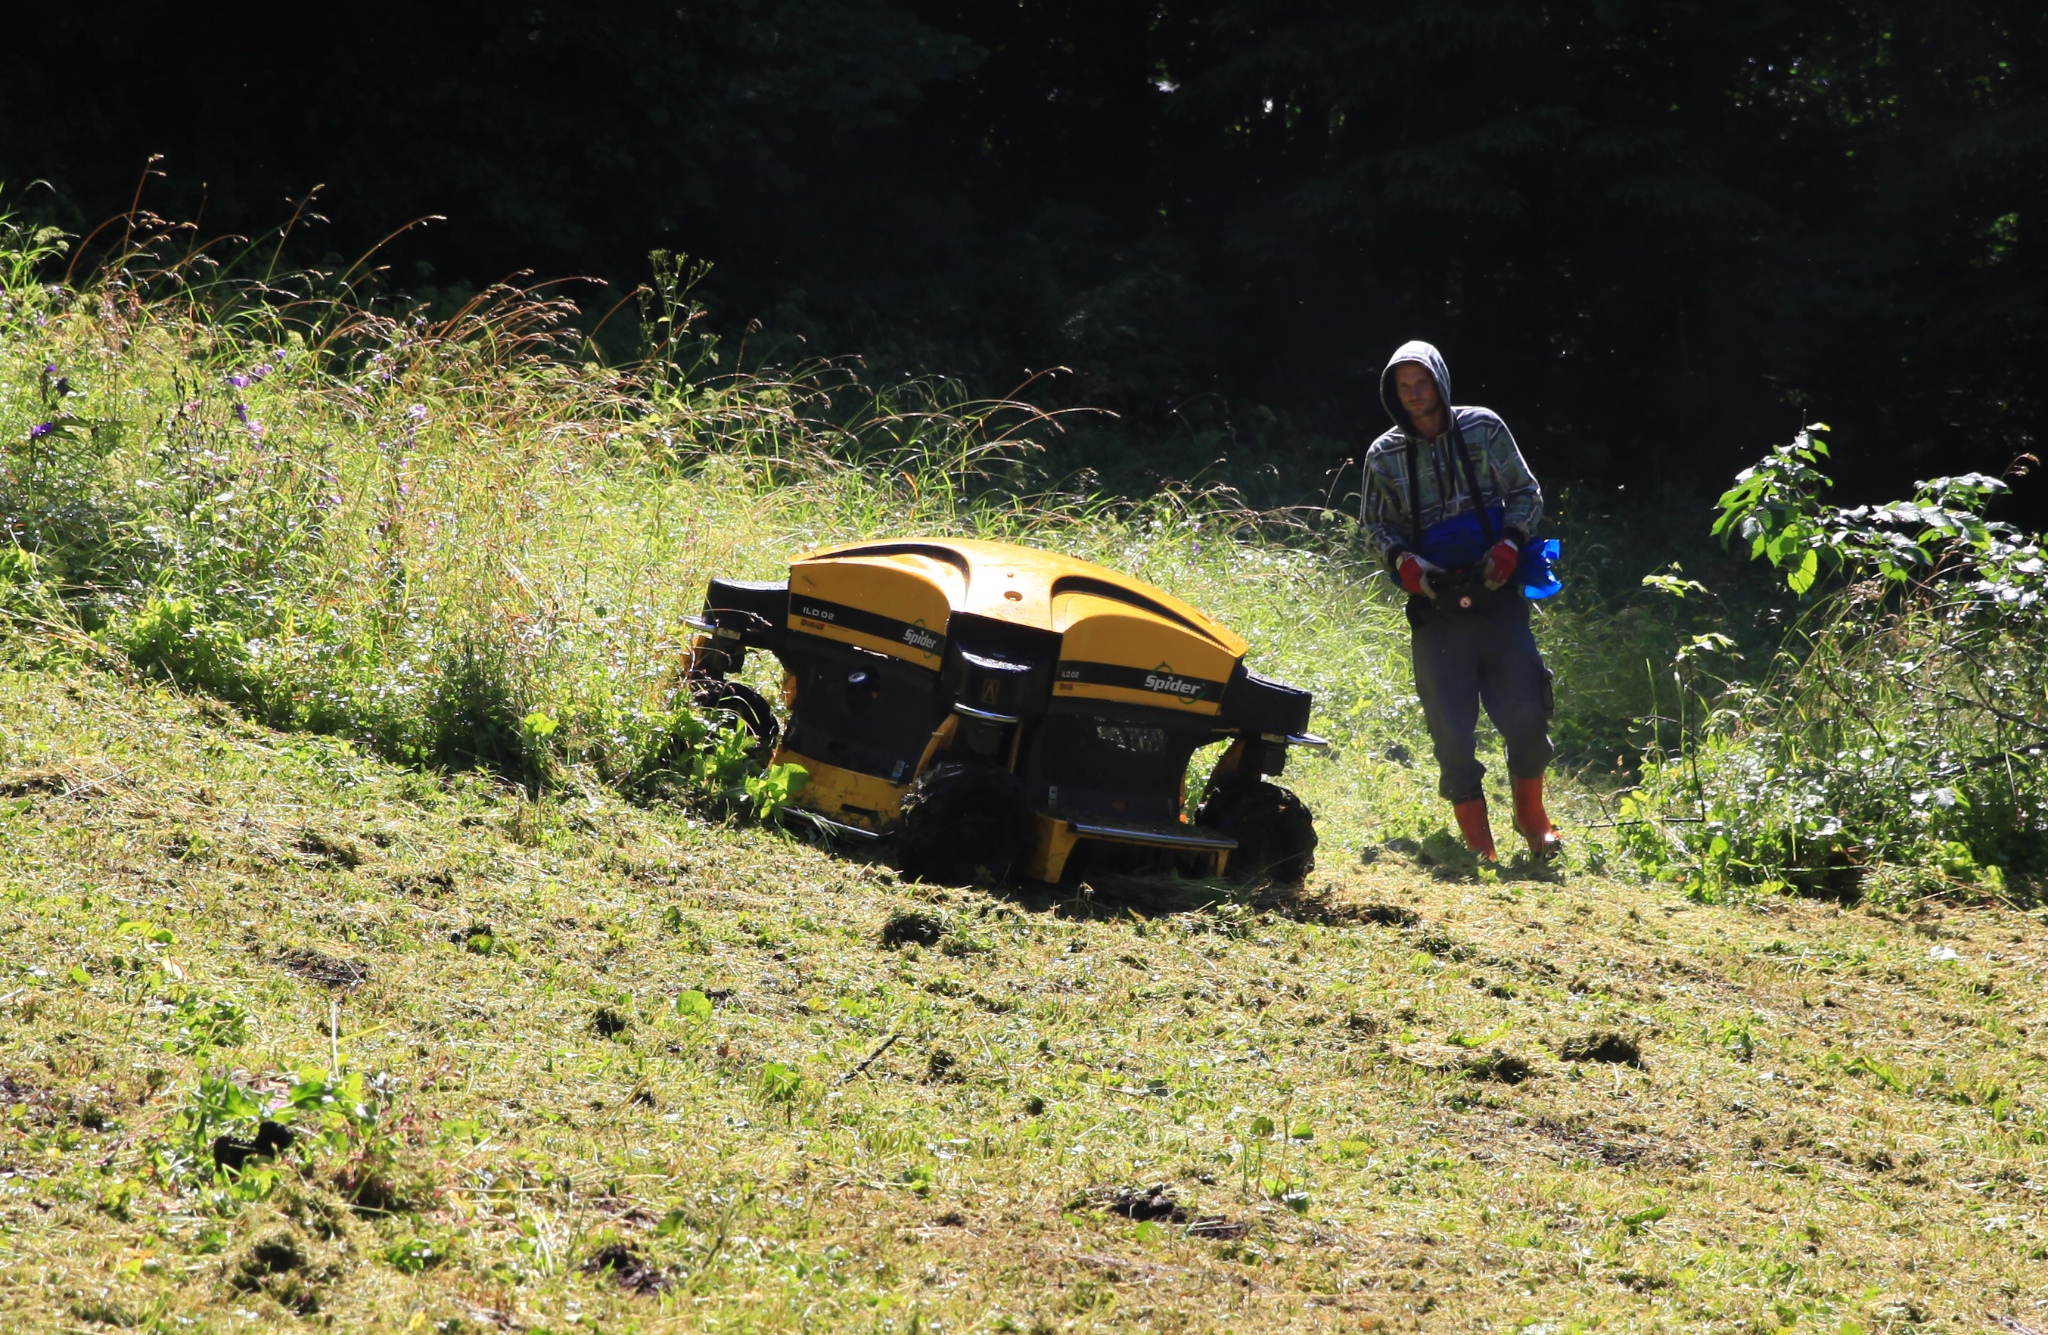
[[1417, 388]]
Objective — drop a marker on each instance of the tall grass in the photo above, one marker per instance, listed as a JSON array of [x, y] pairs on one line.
[[469, 541]]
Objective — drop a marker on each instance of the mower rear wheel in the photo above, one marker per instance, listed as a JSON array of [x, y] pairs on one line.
[[746, 707], [964, 824], [1274, 829]]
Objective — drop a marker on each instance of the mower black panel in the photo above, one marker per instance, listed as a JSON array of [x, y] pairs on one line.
[[861, 711], [1112, 766], [1261, 705], [756, 609]]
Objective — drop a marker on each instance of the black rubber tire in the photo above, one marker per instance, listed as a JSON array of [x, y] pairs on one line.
[[746, 707], [1274, 829], [965, 825]]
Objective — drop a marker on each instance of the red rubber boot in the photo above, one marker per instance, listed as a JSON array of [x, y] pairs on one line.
[[1534, 822], [1472, 823]]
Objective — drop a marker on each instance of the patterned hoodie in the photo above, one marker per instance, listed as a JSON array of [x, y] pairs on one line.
[[1440, 481]]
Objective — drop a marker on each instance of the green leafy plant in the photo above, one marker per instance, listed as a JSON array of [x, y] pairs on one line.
[[416, 1252], [780, 1083], [204, 1023], [176, 638], [1895, 745]]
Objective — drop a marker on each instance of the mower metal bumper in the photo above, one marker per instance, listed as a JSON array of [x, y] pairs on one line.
[[1058, 836]]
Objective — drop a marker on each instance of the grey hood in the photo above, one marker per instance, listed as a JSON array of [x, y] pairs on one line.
[[1415, 350]]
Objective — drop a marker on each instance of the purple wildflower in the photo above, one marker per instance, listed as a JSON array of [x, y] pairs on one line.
[[41, 429], [49, 368], [242, 413], [418, 412], [239, 381], [258, 372]]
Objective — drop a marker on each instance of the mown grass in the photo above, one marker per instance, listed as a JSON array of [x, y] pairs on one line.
[[1833, 1125]]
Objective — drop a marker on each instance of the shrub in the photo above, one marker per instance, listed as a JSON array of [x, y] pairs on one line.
[[1896, 744]]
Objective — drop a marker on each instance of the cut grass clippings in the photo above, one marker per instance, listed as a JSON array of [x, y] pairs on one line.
[[629, 1068]]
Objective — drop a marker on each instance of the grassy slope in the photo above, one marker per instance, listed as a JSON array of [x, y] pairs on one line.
[[1818, 1116]]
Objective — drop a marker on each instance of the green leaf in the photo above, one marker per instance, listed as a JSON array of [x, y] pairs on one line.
[[694, 1005], [1634, 1222], [1262, 1127], [1461, 1040], [414, 1254], [1805, 573], [780, 1083], [79, 976], [1674, 584]]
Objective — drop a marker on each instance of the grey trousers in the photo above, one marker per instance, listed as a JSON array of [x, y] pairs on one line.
[[1484, 655]]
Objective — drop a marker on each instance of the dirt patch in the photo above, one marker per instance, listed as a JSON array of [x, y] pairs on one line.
[[1145, 1203], [1217, 1228], [327, 970], [285, 1265], [75, 778], [334, 848], [423, 883], [1472, 1063], [1156, 1205], [1505, 1067], [911, 927], [33, 783], [1602, 1045], [628, 1268], [1445, 946], [1613, 1152]]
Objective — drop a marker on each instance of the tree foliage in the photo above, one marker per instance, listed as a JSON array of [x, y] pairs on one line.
[[1651, 233]]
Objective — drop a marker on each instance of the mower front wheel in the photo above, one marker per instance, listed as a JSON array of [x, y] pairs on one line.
[[1274, 829], [964, 824], [746, 707]]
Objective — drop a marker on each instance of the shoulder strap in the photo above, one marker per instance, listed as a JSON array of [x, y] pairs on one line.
[[1463, 453], [1414, 495]]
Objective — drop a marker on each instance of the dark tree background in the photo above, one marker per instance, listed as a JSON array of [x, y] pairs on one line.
[[1656, 235]]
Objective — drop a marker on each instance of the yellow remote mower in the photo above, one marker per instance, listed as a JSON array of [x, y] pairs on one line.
[[1000, 711]]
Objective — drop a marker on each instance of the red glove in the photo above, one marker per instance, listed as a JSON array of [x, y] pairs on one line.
[[1415, 573], [1501, 562]]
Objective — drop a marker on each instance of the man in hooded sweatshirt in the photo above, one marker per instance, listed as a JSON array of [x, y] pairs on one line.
[[1450, 503]]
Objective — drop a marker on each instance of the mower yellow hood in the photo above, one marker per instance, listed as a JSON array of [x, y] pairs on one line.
[[1120, 638]]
